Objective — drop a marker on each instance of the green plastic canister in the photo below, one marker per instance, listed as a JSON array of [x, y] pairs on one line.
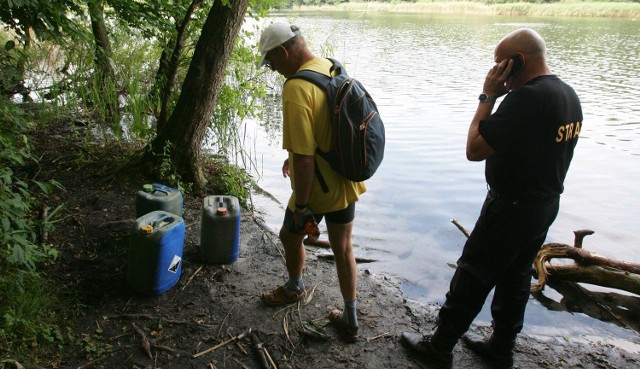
[[156, 242], [157, 196], [220, 230]]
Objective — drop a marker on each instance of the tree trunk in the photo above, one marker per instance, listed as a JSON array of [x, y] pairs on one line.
[[168, 68], [103, 56], [187, 125]]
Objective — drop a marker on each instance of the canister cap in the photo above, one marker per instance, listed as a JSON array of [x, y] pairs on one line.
[[146, 229], [147, 188], [222, 211]]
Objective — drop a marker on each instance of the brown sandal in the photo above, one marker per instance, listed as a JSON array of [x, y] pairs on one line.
[[347, 334], [280, 297]]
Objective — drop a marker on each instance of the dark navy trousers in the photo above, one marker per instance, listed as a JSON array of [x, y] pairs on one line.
[[498, 254]]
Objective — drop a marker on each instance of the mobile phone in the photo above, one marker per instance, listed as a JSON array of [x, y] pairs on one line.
[[518, 63]]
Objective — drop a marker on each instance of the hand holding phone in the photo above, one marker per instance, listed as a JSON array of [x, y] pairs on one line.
[[518, 63]]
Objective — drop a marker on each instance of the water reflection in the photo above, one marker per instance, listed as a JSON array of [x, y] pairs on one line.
[[425, 73], [619, 309]]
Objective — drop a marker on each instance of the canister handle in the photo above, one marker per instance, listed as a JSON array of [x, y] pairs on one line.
[[166, 220], [160, 190]]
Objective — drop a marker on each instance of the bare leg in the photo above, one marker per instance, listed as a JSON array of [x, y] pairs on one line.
[[345, 321], [340, 239], [294, 252], [293, 289]]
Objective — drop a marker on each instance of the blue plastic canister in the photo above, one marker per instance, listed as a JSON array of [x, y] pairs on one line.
[[156, 242], [158, 197], [220, 230]]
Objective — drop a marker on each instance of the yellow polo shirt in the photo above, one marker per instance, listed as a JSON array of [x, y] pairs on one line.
[[307, 126]]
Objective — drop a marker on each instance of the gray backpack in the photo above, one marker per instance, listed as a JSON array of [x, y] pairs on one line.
[[358, 132]]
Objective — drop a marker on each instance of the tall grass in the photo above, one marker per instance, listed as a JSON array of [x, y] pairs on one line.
[[571, 9], [560, 9], [33, 319], [84, 96], [136, 59]]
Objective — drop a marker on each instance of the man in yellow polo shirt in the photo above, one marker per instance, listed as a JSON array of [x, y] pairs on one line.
[[306, 127]]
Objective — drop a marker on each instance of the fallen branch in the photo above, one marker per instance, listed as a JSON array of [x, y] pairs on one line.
[[592, 274], [225, 319], [587, 267], [579, 236], [240, 347], [132, 316], [240, 363], [358, 259], [118, 336], [460, 227], [222, 344], [12, 362], [266, 233], [269, 359], [144, 342], [285, 327], [309, 296], [584, 258], [386, 334], [174, 321], [257, 346], [164, 348], [190, 278], [266, 361]]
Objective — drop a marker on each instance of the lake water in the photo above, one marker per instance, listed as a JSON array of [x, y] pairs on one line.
[[425, 73]]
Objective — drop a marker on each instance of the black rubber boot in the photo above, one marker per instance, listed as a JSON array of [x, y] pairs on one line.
[[498, 352], [423, 346]]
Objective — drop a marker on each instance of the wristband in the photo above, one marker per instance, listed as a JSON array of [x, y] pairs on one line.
[[301, 206]]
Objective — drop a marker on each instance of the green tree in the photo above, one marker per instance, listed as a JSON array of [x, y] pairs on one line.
[[169, 22], [170, 62], [105, 70], [187, 125], [43, 18]]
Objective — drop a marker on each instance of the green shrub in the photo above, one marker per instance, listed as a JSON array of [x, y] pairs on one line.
[[30, 319], [27, 309]]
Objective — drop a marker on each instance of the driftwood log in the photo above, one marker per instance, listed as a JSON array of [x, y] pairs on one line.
[[586, 268]]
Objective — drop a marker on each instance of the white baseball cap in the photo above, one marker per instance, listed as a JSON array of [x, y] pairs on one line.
[[274, 35]]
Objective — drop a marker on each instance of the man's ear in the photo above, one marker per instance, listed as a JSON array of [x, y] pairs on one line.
[[284, 51]]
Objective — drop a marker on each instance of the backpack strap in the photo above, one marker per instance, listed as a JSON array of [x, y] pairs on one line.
[[323, 183], [317, 78]]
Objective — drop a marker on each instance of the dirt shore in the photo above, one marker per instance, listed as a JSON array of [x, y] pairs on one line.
[[211, 305]]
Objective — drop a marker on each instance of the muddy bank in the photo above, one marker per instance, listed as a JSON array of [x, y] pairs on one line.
[[212, 305]]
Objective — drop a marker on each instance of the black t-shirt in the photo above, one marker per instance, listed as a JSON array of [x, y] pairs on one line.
[[533, 133]]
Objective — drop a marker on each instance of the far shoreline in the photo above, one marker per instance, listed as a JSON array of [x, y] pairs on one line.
[[578, 9]]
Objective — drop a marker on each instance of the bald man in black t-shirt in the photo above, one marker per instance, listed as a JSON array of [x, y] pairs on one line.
[[528, 144]]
